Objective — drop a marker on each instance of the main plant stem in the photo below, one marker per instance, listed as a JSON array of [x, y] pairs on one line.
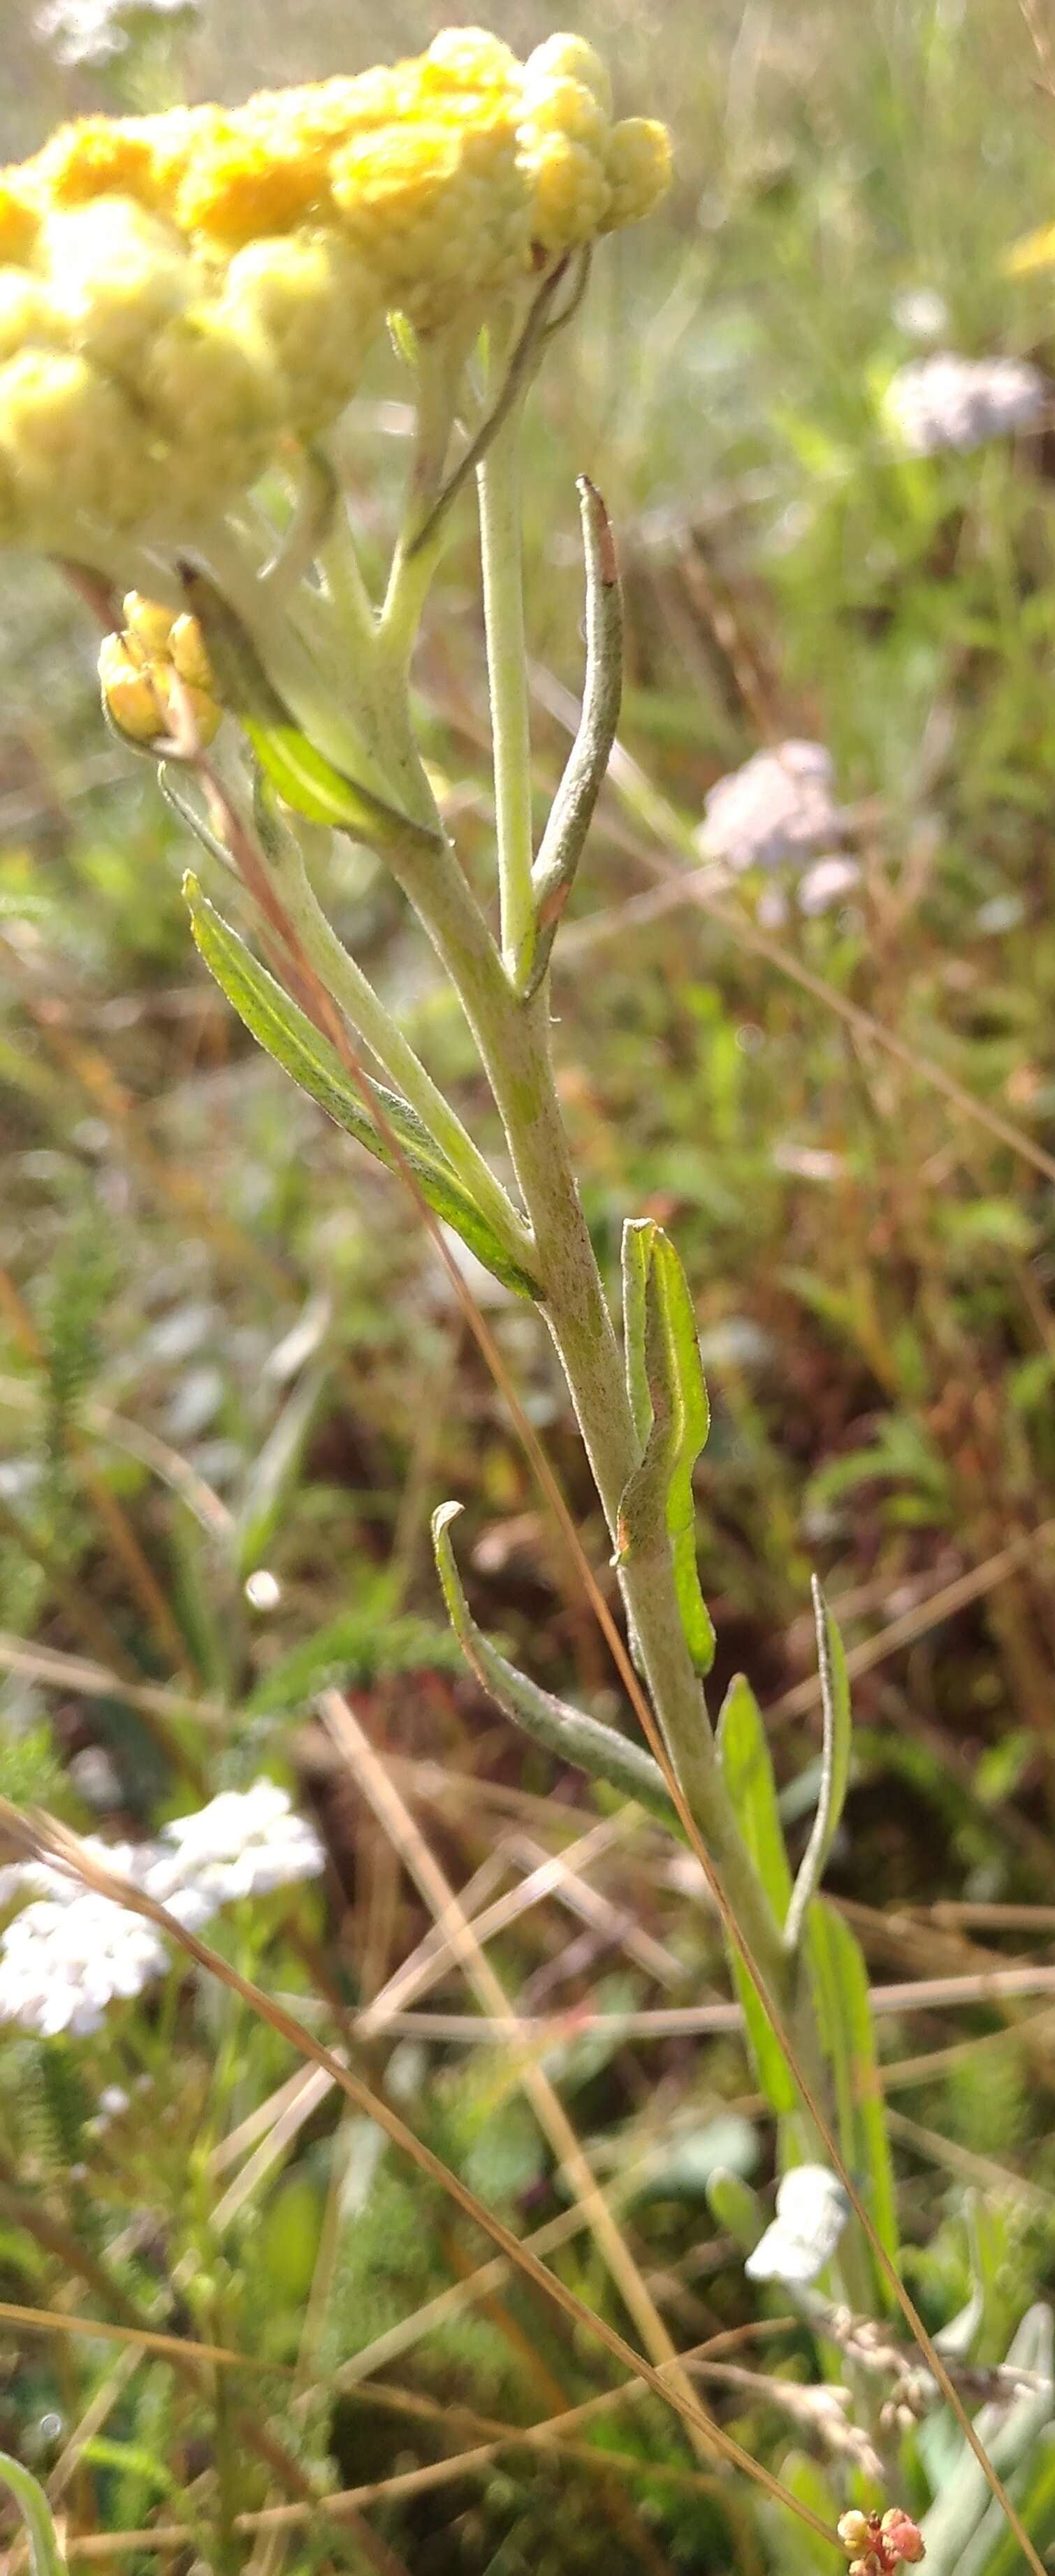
[[498, 478]]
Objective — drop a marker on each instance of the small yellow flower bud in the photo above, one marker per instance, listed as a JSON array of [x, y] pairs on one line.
[[99, 157], [117, 275], [317, 308], [128, 692], [72, 442], [186, 646], [26, 313], [148, 625], [638, 166], [245, 185], [569, 58], [207, 716], [469, 58], [19, 220], [854, 2529]]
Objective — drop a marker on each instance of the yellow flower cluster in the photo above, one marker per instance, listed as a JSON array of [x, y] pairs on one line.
[[179, 293], [139, 667]]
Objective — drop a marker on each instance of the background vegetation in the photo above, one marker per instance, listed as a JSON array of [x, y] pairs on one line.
[[227, 1346]]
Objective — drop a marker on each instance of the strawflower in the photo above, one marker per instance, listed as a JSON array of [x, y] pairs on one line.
[[185, 293]]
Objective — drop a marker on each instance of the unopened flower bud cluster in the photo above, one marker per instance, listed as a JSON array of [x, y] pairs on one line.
[[70, 1953], [155, 670], [881, 2543], [180, 293]]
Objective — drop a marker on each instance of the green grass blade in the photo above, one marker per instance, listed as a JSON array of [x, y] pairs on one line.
[[44, 2551]]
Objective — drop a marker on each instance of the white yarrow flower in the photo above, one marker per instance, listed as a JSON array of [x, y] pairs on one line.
[[61, 1965], [93, 32], [71, 1952], [948, 401], [244, 1843]]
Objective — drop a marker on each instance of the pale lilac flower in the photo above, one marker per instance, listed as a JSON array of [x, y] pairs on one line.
[[825, 883], [777, 810], [948, 401]]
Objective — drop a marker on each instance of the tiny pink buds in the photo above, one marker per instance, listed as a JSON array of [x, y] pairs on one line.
[[884, 2544], [901, 2537]]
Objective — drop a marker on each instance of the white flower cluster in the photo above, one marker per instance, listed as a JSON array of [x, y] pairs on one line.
[[779, 811], [94, 32], [70, 1952], [948, 401]]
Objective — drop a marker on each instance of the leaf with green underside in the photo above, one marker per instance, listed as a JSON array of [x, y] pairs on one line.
[[668, 1399], [839, 1981], [835, 1764], [285, 1033], [308, 782], [46, 2557], [747, 1769]]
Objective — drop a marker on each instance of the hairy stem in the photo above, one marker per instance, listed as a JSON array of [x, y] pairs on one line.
[[498, 478]]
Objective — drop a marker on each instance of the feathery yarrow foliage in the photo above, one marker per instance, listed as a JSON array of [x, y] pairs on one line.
[[181, 293]]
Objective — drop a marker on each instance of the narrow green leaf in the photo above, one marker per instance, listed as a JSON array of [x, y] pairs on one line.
[[289, 1036], [735, 2207], [272, 1478], [309, 782], [835, 1764], [743, 1752], [844, 2014], [663, 1366], [995, 2550], [45, 2554], [564, 1730], [639, 1235], [799, 2551], [965, 2524]]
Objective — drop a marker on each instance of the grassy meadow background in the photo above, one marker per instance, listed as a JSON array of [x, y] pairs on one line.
[[226, 1345]]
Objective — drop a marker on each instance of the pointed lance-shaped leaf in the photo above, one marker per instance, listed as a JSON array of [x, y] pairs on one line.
[[835, 1765], [289, 1036], [668, 1399], [573, 806], [564, 1731], [747, 1769]]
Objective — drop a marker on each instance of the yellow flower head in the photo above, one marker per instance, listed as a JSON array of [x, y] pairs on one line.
[[19, 220], [182, 293], [100, 156], [242, 184]]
